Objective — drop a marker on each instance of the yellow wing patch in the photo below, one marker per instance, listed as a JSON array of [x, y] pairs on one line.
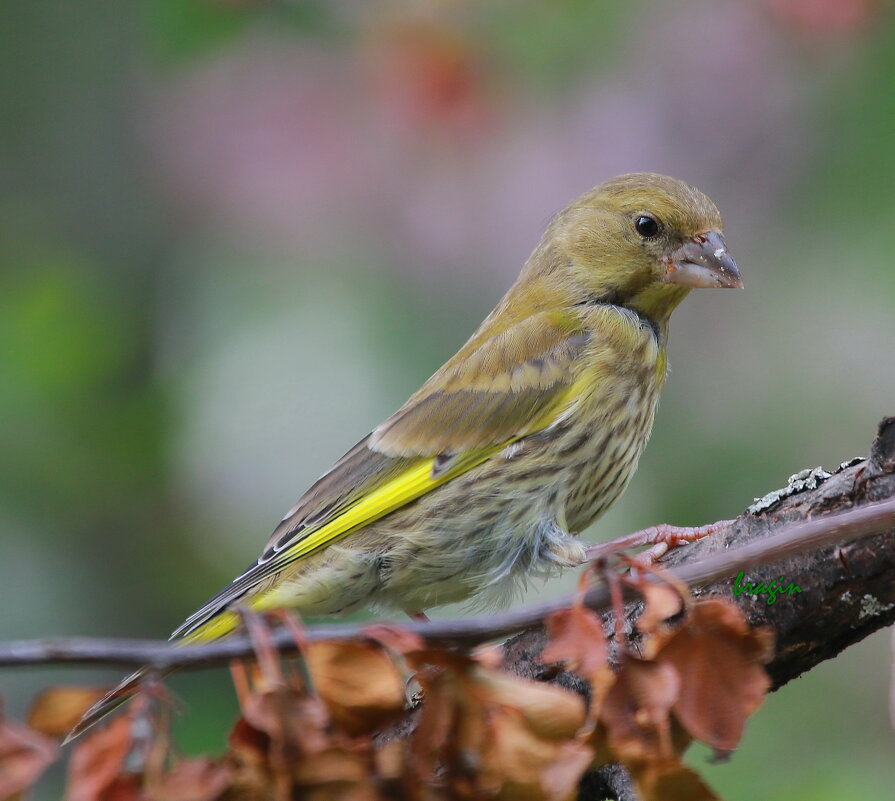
[[218, 626], [410, 485]]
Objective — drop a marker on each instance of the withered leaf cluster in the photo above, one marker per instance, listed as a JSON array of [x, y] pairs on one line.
[[391, 717], [699, 679]]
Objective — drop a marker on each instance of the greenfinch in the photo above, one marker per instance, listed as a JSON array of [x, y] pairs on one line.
[[488, 473]]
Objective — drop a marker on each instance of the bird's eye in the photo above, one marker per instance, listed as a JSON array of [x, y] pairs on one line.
[[646, 226]]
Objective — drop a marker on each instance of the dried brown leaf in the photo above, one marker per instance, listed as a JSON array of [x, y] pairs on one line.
[[192, 780], [670, 781], [490, 655], [599, 741], [637, 708], [390, 760], [245, 738], [551, 712], [124, 787], [358, 682], [660, 602], [96, 769], [562, 775], [24, 755], [280, 729], [55, 711], [453, 660], [576, 638], [484, 733], [450, 715], [437, 720], [285, 748], [721, 664], [336, 773], [516, 763], [252, 775], [296, 724], [512, 760], [268, 670], [394, 638]]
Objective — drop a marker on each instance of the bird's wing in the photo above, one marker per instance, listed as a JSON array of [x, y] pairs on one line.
[[499, 387]]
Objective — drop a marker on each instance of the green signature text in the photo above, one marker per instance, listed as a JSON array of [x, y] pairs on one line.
[[772, 590]]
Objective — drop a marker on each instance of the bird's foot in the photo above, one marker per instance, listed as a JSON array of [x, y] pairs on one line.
[[661, 539]]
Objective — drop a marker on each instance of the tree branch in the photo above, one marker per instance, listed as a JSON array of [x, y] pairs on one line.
[[857, 583], [848, 588]]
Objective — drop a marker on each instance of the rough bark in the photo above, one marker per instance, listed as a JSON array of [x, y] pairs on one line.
[[848, 591]]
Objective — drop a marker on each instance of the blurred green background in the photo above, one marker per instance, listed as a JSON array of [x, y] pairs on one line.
[[235, 235]]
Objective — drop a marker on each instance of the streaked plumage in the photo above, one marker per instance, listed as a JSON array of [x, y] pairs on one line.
[[519, 441]]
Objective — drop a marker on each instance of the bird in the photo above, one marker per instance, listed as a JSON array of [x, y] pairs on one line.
[[490, 471]]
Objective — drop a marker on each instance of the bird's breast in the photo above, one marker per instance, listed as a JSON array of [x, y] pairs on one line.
[[608, 431]]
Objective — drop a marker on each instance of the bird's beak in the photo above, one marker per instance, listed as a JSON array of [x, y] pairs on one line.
[[703, 262]]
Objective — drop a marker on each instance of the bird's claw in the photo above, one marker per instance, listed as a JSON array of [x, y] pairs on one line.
[[661, 538]]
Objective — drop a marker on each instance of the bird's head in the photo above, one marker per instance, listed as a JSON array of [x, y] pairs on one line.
[[643, 241]]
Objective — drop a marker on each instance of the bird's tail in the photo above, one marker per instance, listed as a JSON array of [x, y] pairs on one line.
[[113, 699], [215, 625]]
